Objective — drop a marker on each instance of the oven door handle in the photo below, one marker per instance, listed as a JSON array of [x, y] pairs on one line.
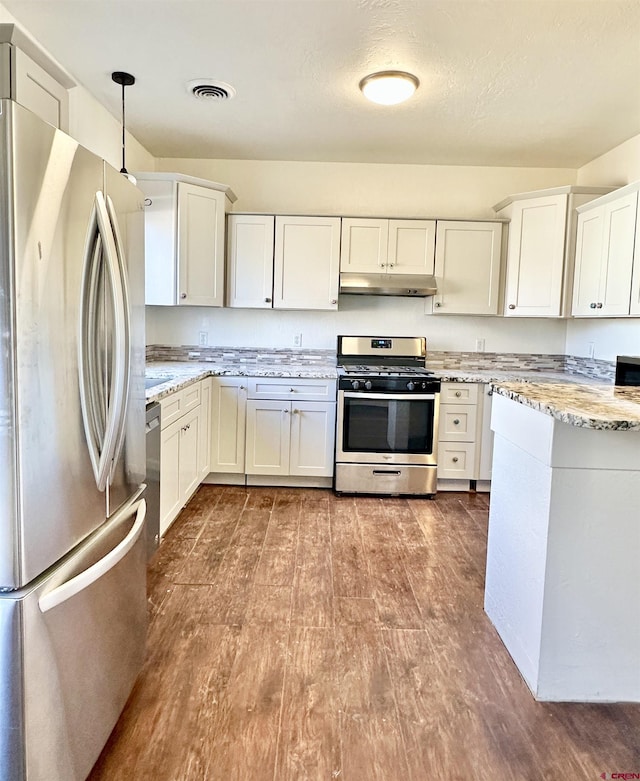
[[391, 396]]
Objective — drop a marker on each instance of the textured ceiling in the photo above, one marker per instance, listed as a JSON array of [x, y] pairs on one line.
[[503, 82]]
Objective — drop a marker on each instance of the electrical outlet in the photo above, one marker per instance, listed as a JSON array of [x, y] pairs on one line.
[[479, 345], [297, 340], [203, 338]]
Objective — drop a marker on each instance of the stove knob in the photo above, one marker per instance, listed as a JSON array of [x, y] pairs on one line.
[[424, 385], [411, 386], [355, 384], [368, 385]]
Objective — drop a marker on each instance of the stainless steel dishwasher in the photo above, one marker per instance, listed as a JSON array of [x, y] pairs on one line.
[[153, 477]]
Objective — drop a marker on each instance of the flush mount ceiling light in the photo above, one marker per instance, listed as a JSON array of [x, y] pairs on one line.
[[389, 87], [124, 80]]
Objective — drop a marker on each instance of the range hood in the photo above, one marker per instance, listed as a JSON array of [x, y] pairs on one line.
[[414, 285]]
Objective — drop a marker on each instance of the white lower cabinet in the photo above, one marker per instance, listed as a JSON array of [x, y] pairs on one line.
[[291, 428], [290, 438], [204, 428], [464, 437], [180, 451], [228, 420]]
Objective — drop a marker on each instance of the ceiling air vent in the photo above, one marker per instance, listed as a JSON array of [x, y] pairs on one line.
[[209, 89]]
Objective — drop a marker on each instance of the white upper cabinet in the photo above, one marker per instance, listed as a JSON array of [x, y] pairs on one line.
[[283, 262], [605, 247], [306, 263], [250, 260], [29, 77], [384, 246], [184, 240], [468, 262], [540, 249]]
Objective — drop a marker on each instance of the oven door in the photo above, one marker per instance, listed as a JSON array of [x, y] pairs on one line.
[[387, 428]]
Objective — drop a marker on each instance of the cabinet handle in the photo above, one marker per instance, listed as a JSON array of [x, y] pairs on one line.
[[438, 304], [512, 306], [267, 300], [456, 422], [455, 459], [599, 305], [183, 295], [458, 393], [592, 305]]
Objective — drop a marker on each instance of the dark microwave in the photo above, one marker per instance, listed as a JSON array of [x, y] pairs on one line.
[[628, 370]]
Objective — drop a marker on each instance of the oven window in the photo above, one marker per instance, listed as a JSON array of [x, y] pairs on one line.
[[394, 426]]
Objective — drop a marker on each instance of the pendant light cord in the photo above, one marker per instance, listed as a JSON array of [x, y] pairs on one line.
[[123, 170]]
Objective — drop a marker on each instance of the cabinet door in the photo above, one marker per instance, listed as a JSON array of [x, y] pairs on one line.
[[204, 426], [268, 433], [306, 263], [535, 258], [411, 246], [189, 474], [588, 260], [228, 415], [467, 268], [200, 245], [250, 261], [170, 493], [486, 436], [364, 245], [36, 90], [313, 426], [617, 256]]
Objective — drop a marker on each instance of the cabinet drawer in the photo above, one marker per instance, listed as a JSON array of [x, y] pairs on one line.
[[456, 460], [293, 388], [457, 422], [177, 404], [459, 393]]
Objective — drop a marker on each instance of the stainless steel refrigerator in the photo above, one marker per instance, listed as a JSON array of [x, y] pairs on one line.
[[72, 449]]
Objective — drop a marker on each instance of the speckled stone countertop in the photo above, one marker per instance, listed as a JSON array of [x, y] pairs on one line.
[[595, 405], [179, 374]]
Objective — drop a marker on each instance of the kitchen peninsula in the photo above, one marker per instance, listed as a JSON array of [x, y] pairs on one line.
[[564, 538]]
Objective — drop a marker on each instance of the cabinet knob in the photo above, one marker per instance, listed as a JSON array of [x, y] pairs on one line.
[[456, 422], [599, 305], [391, 265], [592, 305], [285, 411], [148, 202], [458, 393], [267, 300], [382, 265], [183, 295], [512, 306], [295, 411], [455, 459], [438, 303], [292, 390], [334, 300], [242, 387]]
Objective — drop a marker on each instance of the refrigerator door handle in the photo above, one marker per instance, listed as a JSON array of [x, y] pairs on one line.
[[96, 400], [93, 573], [125, 331]]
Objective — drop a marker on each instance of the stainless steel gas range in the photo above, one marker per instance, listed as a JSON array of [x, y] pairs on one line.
[[387, 417]]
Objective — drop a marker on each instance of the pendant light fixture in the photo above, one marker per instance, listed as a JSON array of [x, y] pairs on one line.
[[389, 87], [124, 80]]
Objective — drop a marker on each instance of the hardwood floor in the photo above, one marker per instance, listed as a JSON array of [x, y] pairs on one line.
[[298, 635]]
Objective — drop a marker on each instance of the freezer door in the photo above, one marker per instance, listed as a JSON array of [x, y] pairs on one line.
[[125, 205], [81, 639], [49, 500]]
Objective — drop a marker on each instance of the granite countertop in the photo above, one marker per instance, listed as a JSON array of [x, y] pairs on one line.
[[595, 405], [179, 374], [573, 398]]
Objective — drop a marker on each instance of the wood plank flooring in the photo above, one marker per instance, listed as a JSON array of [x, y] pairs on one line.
[[295, 635]]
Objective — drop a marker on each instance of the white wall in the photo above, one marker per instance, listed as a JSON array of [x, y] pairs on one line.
[[361, 189], [612, 337]]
